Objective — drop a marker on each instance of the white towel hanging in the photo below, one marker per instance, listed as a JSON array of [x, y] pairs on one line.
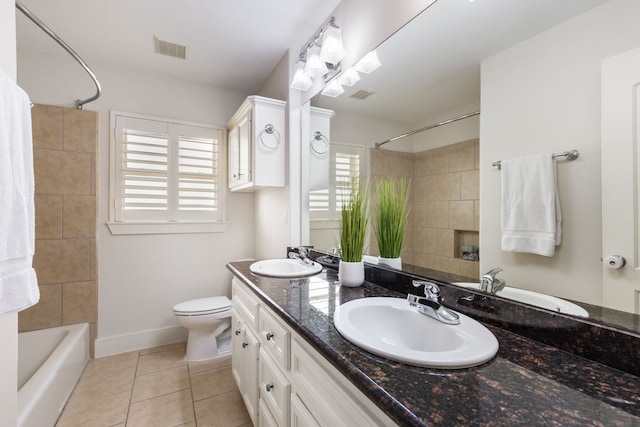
[[18, 283], [531, 216]]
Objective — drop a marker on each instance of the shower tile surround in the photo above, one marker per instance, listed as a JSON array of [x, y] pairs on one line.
[[551, 369], [444, 204], [64, 149]]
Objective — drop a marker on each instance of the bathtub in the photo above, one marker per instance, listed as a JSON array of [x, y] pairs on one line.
[[50, 362]]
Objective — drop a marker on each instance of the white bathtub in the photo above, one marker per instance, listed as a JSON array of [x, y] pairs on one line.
[[50, 362]]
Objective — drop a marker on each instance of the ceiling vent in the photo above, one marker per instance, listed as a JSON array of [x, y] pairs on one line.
[[170, 49], [362, 94]]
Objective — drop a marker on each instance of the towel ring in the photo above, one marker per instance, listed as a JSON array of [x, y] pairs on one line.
[[318, 136], [269, 130]]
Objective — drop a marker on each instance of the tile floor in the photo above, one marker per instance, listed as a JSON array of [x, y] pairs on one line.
[[157, 388]]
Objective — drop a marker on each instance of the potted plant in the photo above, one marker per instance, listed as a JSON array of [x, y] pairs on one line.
[[391, 218], [353, 232]]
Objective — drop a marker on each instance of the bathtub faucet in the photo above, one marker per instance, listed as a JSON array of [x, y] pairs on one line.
[[490, 284]]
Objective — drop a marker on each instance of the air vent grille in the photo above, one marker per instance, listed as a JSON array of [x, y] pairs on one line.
[[362, 94], [170, 49]]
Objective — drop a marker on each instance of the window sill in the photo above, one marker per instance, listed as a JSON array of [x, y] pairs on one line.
[[323, 224], [124, 228]]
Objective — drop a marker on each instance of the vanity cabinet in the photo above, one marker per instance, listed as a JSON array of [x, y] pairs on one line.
[[245, 349], [256, 145], [293, 385]]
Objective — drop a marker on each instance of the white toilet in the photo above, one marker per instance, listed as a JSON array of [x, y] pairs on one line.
[[209, 323]]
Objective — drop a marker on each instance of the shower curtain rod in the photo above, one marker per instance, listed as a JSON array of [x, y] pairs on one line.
[[446, 122], [43, 27]]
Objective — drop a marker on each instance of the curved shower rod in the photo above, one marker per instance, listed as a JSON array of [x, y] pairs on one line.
[[446, 122], [43, 27]]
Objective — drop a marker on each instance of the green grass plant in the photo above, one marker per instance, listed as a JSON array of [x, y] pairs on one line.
[[392, 215], [353, 224]]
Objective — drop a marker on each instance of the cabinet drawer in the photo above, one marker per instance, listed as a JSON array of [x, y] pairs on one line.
[[326, 400], [300, 415], [266, 419], [245, 304], [275, 339], [275, 390]]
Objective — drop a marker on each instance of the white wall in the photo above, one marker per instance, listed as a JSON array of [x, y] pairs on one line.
[[272, 211], [543, 95], [8, 322], [140, 278]]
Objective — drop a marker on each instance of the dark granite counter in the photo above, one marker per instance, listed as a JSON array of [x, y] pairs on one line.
[[528, 383]]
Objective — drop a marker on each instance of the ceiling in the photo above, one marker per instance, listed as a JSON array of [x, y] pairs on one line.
[[431, 68], [232, 44]]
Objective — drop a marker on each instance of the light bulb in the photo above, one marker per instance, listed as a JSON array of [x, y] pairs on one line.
[[315, 67], [332, 50], [349, 77], [333, 89], [301, 81], [369, 63]]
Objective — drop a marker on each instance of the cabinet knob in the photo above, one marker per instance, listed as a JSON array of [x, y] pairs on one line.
[[237, 332], [269, 335], [244, 345], [268, 387]]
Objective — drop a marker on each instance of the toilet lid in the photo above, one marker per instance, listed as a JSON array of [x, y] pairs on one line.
[[203, 305]]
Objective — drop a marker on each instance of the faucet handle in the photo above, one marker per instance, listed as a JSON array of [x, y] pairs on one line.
[[431, 290]]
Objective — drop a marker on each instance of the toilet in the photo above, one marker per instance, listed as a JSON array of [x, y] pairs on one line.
[[208, 321]]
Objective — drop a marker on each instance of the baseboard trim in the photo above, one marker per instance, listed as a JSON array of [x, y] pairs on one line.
[[139, 340]]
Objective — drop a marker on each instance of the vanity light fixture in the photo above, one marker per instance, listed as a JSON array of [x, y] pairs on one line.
[[369, 63], [349, 77], [333, 89], [315, 67], [332, 50], [301, 81], [321, 57]]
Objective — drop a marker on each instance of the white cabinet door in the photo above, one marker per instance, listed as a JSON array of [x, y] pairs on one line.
[[244, 364], [240, 153], [621, 179]]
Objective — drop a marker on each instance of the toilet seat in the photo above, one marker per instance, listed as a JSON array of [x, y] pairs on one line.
[[203, 306]]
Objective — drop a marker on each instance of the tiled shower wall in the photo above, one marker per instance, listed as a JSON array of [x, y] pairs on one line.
[[64, 142], [445, 204]]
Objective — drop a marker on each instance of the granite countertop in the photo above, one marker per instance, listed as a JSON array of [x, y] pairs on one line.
[[527, 383]]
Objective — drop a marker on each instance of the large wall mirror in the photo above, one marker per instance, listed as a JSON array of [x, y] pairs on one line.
[[444, 64]]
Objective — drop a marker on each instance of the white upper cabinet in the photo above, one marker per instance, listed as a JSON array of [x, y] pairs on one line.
[[257, 145]]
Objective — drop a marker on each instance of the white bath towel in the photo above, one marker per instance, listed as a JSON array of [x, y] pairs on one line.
[[18, 284], [531, 217]]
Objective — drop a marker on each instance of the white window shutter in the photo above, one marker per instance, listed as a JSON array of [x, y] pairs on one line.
[[166, 172]]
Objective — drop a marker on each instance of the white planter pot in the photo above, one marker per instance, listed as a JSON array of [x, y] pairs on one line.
[[391, 262], [351, 274]]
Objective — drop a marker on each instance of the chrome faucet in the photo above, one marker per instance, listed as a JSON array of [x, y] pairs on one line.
[[431, 304], [490, 284], [301, 255]]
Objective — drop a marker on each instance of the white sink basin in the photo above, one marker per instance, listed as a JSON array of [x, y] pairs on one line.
[[534, 298], [391, 328], [284, 267]]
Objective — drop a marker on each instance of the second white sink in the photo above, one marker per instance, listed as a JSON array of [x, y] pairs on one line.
[[535, 298], [284, 267], [391, 328]]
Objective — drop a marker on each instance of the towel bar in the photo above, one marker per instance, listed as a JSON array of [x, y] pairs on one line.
[[570, 155]]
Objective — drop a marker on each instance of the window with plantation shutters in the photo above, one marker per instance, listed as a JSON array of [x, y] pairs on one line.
[[345, 165], [165, 172]]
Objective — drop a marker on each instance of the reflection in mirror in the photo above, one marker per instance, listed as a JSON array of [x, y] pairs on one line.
[[431, 73]]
